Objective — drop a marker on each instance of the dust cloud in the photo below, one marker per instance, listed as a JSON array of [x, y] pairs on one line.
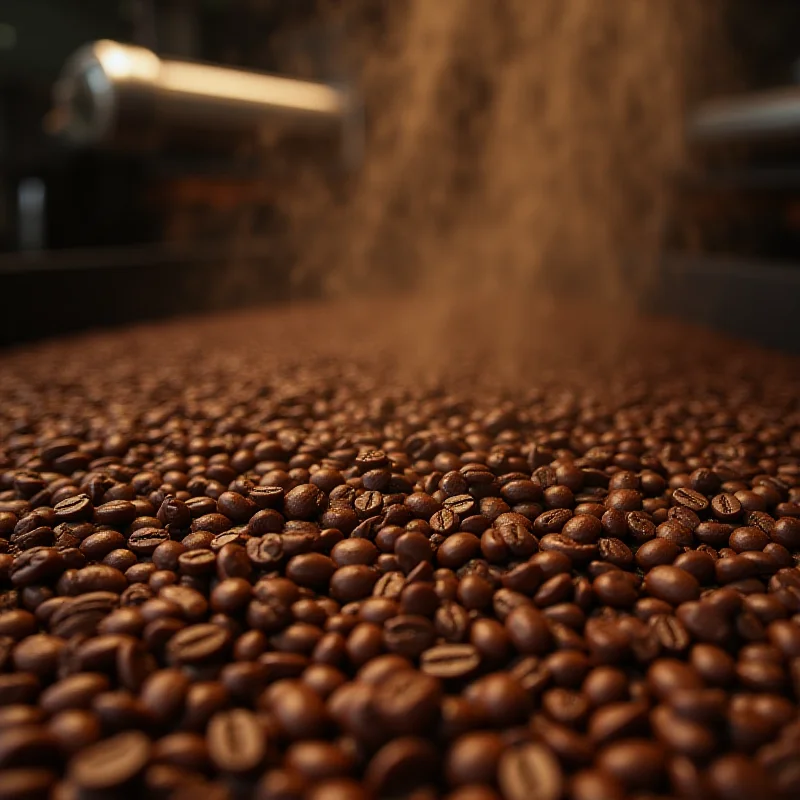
[[519, 158]]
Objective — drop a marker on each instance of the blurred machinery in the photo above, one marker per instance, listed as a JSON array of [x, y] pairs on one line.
[[147, 163], [149, 171]]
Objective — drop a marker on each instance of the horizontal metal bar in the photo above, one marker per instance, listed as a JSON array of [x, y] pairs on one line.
[[759, 116]]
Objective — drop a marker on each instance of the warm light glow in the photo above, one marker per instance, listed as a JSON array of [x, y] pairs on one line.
[[244, 87], [121, 62]]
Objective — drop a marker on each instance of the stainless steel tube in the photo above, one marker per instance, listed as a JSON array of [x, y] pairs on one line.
[[763, 116], [111, 92]]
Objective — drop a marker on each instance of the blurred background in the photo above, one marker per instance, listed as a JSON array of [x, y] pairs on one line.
[[98, 235]]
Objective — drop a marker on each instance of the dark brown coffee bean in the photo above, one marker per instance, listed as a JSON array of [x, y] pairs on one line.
[[110, 765], [682, 735], [37, 565], [311, 569], [473, 759], [451, 622], [592, 784], [726, 507], [704, 706], [667, 675], [616, 589], [304, 502], [640, 526], [81, 615], [73, 692], [705, 623], [619, 720], [684, 516], [144, 541], [319, 761], [528, 630], [408, 635], [693, 500], [670, 633], [637, 763], [605, 685], [607, 642], [450, 660], [198, 643], [298, 710], [236, 741], [74, 509], [402, 765], [671, 584], [734, 777], [407, 702], [552, 521], [530, 770]]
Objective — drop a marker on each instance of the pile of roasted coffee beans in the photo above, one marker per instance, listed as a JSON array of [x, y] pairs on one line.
[[253, 558]]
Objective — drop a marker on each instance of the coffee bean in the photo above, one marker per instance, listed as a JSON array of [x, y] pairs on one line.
[[73, 692], [530, 770], [407, 702], [735, 776], [704, 622], [451, 622], [408, 635], [615, 589], [197, 644], [640, 526], [110, 765], [637, 763], [402, 765], [500, 698], [618, 720], [450, 660], [592, 784], [311, 569], [667, 675], [144, 541], [236, 741], [528, 630], [81, 615], [671, 584], [474, 758]]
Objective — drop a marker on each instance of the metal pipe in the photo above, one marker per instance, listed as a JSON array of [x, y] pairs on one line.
[[763, 116], [114, 93]]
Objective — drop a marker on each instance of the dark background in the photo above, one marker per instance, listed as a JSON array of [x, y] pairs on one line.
[[127, 237]]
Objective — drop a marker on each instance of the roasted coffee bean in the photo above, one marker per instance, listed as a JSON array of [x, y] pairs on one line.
[[81, 615], [37, 565], [672, 584], [618, 720], [474, 758], [236, 741], [637, 763], [198, 643], [690, 498], [528, 630], [110, 765], [500, 699], [407, 702], [616, 589], [402, 765], [144, 541], [450, 660], [530, 770], [408, 635]]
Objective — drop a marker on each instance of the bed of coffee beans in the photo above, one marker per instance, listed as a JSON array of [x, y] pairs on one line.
[[253, 558]]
